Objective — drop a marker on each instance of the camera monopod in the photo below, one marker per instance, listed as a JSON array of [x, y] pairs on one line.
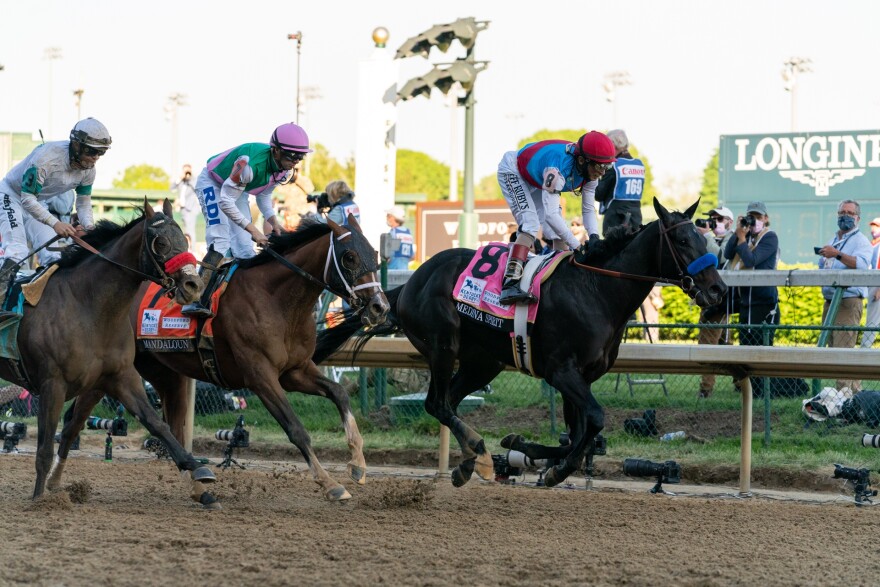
[[10, 434], [238, 437]]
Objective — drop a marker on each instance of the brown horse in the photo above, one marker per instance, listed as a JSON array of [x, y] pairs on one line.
[[77, 342], [264, 333]]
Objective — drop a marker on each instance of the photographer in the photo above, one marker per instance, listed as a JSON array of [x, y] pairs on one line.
[[755, 246], [717, 232], [337, 202], [187, 203]]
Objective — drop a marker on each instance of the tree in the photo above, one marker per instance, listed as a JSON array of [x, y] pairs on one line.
[[418, 173], [324, 168], [142, 177], [709, 189]]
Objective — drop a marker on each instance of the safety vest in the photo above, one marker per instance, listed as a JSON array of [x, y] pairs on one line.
[[629, 179]]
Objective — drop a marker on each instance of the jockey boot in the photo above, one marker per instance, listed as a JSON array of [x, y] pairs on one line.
[[7, 273], [201, 308], [510, 290]]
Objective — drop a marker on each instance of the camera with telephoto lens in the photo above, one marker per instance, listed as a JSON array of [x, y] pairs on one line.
[[11, 433], [747, 221], [321, 201], [861, 480], [709, 223], [238, 437], [668, 472]]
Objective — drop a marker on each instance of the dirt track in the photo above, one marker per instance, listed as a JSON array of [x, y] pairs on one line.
[[137, 526]]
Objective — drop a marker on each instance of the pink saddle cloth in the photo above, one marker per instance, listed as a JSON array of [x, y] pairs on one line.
[[478, 288]]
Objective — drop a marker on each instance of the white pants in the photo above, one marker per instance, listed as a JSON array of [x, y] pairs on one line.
[[227, 237], [524, 199], [17, 228]]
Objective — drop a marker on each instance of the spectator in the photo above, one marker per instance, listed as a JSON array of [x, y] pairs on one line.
[[755, 246], [847, 249], [187, 202], [403, 254], [341, 198], [717, 232], [619, 192], [872, 318], [577, 229], [651, 313]]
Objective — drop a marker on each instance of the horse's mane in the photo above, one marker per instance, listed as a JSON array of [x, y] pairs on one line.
[[307, 231], [615, 241], [104, 232]]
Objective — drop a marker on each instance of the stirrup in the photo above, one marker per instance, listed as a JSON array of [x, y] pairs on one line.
[[196, 309]]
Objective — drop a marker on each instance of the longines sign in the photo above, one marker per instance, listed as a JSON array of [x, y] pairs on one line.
[[841, 164]]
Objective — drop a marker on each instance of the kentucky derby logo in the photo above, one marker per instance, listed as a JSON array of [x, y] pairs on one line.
[[150, 322], [471, 290], [819, 161]]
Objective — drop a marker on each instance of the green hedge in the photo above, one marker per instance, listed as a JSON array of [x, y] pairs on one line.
[[800, 306]]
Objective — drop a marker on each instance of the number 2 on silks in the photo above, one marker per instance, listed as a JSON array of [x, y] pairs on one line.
[[489, 261]]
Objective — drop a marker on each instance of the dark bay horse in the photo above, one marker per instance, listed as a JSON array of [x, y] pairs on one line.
[[264, 333], [77, 341], [581, 320]]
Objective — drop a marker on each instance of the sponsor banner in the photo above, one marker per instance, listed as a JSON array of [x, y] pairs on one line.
[[799, 166]]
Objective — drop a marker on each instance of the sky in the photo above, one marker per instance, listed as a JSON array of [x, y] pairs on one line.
[[699, 69]]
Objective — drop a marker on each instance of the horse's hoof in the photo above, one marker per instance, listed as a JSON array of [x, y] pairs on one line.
[[357, 474], [511, 439], [554, 477], [204, 474], [484, 467], [459, 477], [209, 502], [338, 493]]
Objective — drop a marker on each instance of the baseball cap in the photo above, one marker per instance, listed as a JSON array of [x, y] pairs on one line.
[[723, 212], [758, 207], [875, 222], [397, 212]]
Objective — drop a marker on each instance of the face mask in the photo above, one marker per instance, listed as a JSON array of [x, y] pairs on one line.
[[758, 227], [846, 223], [720, 229], [875, 232]]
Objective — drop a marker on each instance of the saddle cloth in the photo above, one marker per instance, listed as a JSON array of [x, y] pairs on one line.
[[161, 328], [478, 288]]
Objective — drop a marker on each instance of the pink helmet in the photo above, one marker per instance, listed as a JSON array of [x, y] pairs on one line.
[[290, 137], [595, 146]]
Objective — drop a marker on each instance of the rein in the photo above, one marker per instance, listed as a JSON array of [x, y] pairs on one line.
[[350, 291], [166, 281], [686, 282]]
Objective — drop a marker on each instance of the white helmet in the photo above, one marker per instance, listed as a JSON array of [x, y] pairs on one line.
[[91, 133]]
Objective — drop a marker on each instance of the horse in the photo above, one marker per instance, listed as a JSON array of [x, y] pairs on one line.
[[264, 333], [77, 342], [583, 312]]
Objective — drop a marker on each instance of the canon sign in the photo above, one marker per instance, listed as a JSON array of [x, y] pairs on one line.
[[818, 160]]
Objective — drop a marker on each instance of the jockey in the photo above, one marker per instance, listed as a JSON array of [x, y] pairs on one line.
[[531, 180], [223, 188], [51, 169]]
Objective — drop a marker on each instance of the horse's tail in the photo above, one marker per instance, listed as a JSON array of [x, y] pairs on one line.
[[330, 339]]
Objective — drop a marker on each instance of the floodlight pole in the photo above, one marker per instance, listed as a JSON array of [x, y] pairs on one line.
[[468, 221], [298, 37]]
